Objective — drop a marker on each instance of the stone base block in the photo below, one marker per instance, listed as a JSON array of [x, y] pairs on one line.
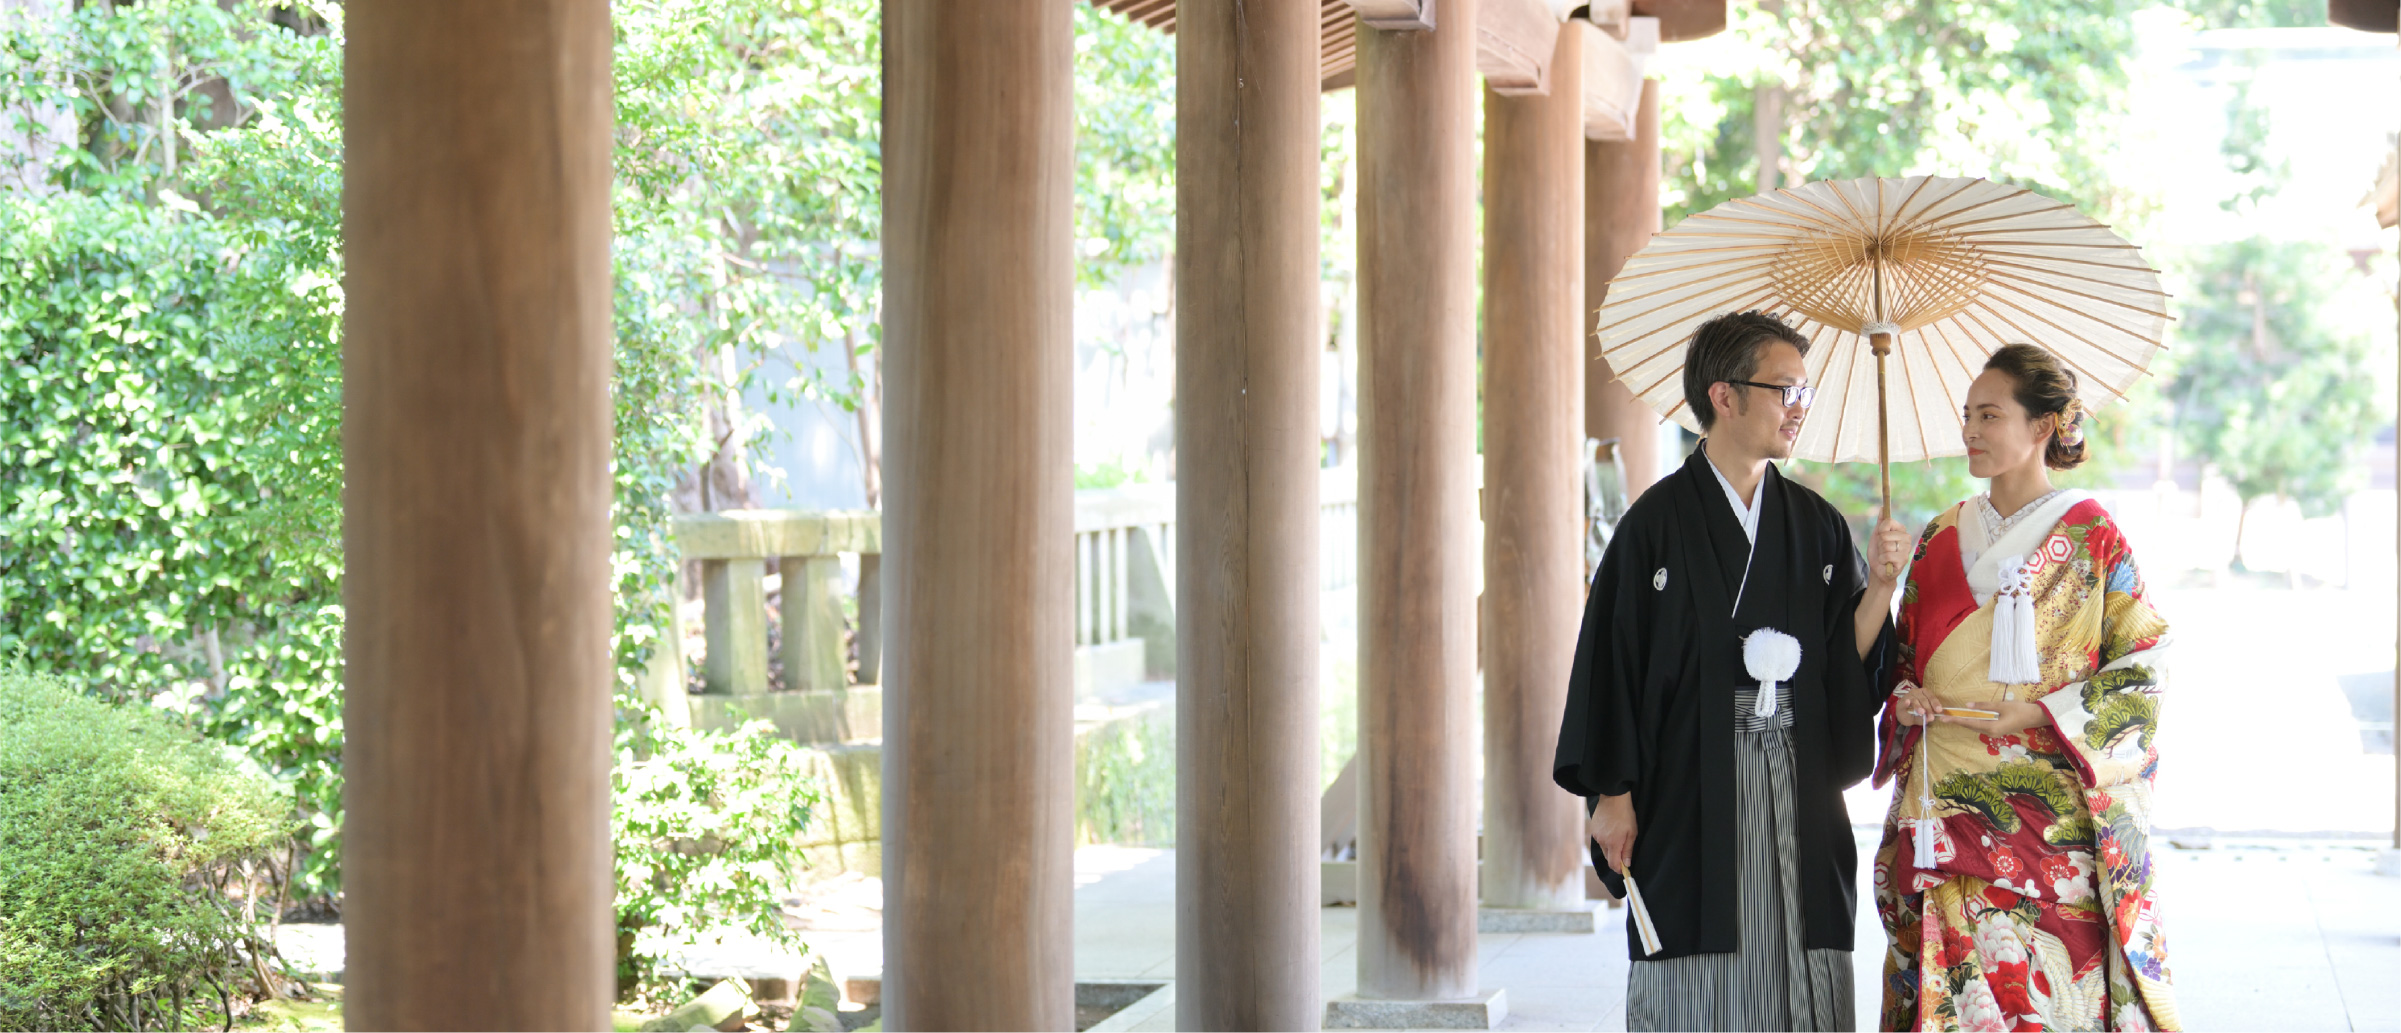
[[1337, 883], [1107, 667], [1483, 1011], [1537, 920], [2388, 862]]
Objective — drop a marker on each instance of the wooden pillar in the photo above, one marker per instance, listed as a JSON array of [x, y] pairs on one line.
[[475, 366], [1247, 352], [1533, 487], [1621, 212], [979, 620], [1417, 643]]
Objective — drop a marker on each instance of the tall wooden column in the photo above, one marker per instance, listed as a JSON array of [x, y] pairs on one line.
[[476, 433], [1621, 212], [1246, 515], [978, 787], [1533, 488], [1417, 560]]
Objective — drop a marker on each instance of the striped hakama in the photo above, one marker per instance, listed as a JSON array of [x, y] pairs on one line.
[[1770, 982]]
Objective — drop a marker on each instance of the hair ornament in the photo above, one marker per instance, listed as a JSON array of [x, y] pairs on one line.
[[2071, 423]]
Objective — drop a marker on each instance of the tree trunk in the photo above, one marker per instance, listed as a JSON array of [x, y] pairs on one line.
[[871, 420]]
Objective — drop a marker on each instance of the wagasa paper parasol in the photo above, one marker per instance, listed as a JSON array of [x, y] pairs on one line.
[[1903, 287]]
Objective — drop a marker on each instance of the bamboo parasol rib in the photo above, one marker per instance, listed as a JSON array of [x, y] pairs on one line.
[[1939, 272]]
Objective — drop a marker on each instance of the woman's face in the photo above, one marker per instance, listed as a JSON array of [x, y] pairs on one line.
[[1998, 435]]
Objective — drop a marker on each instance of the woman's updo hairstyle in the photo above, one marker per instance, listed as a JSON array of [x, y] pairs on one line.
[[2045, 387]]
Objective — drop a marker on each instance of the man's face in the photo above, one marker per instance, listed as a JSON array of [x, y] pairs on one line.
[[1755, 420]]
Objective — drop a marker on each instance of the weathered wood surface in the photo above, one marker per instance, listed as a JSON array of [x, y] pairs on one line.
[[1417, 864], [1613, 71], [764, 533], [1533, 486], [1621, 212], [476, 436], [1246, 516], [1514, 43], [978, 784], [1681, 20], [1396, 15]]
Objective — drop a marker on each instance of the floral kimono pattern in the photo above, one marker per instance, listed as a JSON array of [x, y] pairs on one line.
[[2039, 912]]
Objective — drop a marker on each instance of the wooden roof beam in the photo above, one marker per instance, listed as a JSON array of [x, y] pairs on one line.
[[1613, 72], [1681, 20], [1514, 41]]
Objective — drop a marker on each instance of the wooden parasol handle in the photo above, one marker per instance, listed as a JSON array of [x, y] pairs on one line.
[[1882, 344]]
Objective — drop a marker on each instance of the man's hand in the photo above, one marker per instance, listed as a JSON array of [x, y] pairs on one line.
[[1612, 826], [1888, 553]]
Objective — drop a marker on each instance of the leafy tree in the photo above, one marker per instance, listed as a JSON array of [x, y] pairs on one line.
[[748, 200], [2016, 92], [170, 314], [2264, 382]]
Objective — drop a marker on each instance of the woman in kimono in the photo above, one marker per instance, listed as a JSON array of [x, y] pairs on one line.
[[2015, 875]]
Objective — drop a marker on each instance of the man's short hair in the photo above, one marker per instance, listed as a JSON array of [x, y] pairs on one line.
[[1728, 348]]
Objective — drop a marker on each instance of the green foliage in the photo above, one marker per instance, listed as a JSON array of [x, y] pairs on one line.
[[2246, 144], [748, 195], [707, 827], [1111, 474], [133, 863], [170, 456], [2019, 93], [2263, 380], [1125, 145], [1125, 782]]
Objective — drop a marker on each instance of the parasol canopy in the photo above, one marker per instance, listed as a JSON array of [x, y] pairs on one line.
[[1944, 270]]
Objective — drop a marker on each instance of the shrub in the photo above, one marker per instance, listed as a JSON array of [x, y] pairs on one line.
[[133, 862], [708, 827]]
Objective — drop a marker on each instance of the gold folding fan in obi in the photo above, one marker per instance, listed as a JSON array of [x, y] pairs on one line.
[[1903, 287]]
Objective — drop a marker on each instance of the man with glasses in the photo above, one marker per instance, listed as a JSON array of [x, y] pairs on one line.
[[1711, 756]]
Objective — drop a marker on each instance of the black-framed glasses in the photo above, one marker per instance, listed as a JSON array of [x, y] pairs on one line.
[[1793, 394]]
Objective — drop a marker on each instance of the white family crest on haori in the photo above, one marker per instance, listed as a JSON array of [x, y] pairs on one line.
[[1659, 580], [1770, 656], [1827, 574]]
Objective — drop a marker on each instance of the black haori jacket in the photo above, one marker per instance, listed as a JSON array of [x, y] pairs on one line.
[[1650, 704]]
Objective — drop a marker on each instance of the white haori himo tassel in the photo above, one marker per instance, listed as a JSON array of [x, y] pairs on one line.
[[2014, 660], [1642, 915], [1770, 656]]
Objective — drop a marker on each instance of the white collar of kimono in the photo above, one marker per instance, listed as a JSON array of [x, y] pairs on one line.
[[1748, 515], [1982, 555]]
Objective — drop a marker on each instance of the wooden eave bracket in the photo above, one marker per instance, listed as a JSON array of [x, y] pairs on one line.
[[1514, 43], [1613, 71], [1395, 15]]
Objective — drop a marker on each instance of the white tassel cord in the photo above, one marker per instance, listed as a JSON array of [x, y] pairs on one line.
[[2014, 658], [1770, 656], [1642, 915], [1923, 859]]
